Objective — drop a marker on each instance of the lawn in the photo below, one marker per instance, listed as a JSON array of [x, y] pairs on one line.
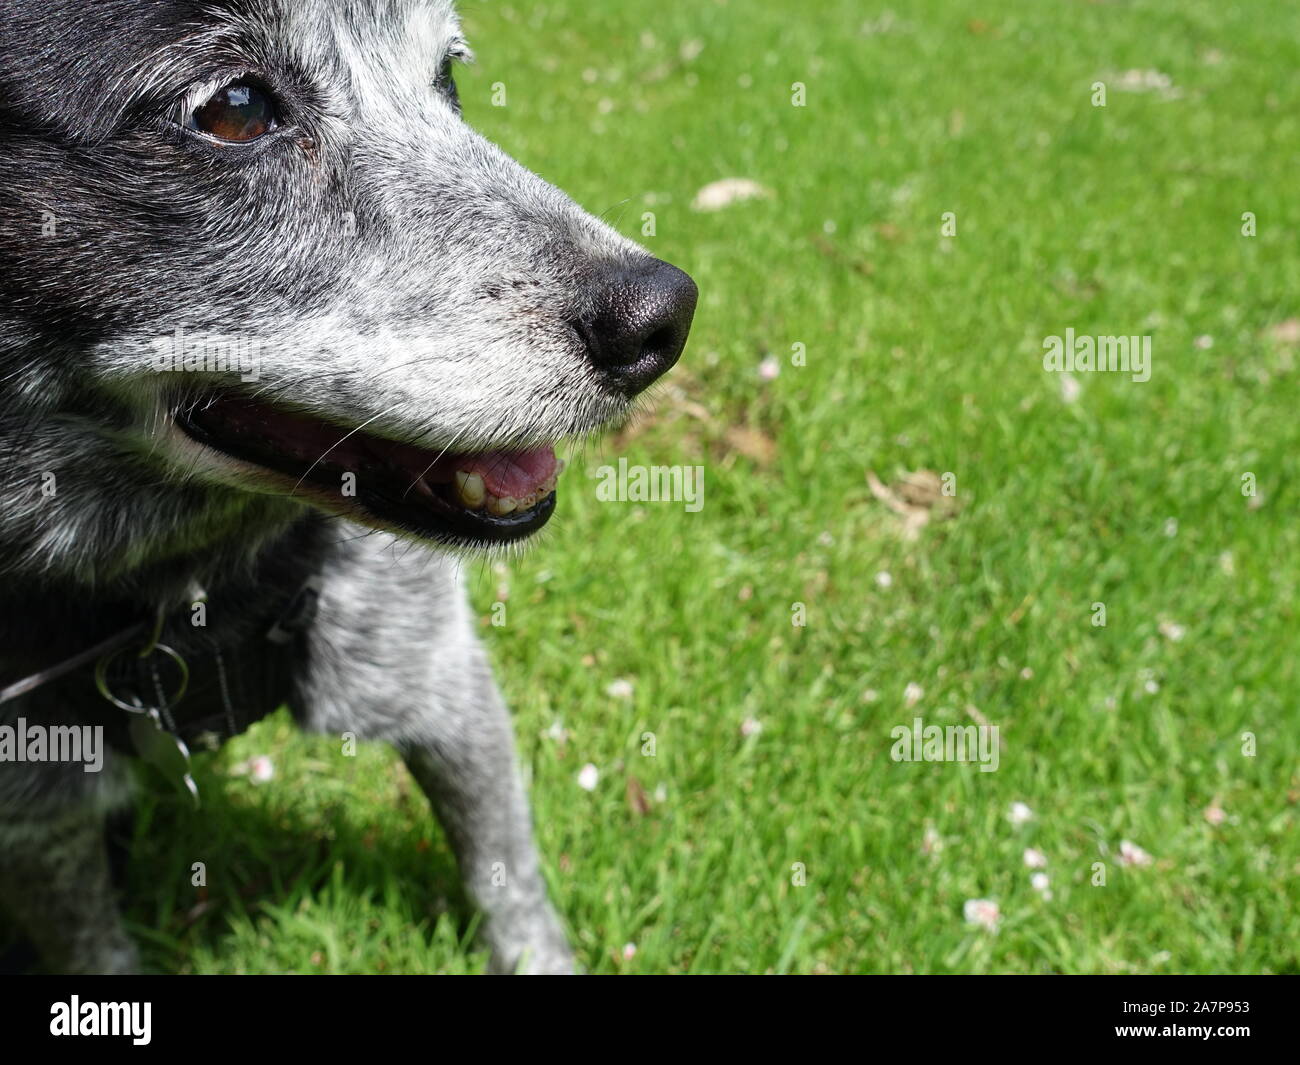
[[947, 196]]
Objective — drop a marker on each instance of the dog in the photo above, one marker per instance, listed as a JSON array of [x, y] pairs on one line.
[[283, 343]]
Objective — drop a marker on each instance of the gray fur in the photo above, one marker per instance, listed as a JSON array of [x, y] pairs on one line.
[[396, 271]]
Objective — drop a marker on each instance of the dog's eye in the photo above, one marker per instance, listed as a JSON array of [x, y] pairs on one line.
[[238, 113], [446, 84]]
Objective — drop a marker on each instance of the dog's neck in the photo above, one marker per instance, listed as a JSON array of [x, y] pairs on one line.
[[245, 576], [93, 537]]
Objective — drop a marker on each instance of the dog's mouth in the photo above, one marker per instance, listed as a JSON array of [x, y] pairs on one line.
[[462, 498]]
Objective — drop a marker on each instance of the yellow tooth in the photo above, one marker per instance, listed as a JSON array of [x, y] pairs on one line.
[[501, 507], [469, 489], [547, 487]]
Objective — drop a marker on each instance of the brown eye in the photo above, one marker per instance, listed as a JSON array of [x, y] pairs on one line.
[[238, 113]]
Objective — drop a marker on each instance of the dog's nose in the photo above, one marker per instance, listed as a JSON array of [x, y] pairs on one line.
[[638, 322]]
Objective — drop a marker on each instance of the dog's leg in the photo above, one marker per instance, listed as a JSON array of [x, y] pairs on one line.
[[466, 765], [392, 654], [55, 884]]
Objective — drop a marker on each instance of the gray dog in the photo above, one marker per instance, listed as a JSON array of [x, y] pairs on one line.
[[280, 340]]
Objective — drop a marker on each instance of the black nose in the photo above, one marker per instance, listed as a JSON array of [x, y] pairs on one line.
[[638, 322]]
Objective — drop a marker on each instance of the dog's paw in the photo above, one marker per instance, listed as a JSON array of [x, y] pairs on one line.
[[113, 956], [544, 962], [534, 947]]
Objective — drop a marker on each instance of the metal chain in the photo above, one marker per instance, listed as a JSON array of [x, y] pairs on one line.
[[225, 696], [163, 708]]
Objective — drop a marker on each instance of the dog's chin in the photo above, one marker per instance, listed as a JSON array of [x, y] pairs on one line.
[[475, 499]]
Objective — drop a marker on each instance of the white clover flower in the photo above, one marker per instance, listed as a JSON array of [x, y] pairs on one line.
[[1131, 854], [982, 912]]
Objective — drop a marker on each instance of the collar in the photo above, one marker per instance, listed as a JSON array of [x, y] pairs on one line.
[[298, 614], [148, 728], [101, 651]]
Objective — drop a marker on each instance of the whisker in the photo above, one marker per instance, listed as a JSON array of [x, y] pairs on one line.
[[336, 443]]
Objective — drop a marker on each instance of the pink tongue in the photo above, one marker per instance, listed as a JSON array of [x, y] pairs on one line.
[[511, 474]]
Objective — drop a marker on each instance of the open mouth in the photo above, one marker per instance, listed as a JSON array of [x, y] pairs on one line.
[[472, 497]]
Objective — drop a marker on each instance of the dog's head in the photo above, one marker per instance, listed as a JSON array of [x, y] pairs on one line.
[[259, 237]]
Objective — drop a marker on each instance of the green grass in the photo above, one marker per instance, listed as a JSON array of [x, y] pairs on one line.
[[922, 353]]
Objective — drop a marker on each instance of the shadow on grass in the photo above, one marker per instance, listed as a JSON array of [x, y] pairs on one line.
[[258, 860]]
